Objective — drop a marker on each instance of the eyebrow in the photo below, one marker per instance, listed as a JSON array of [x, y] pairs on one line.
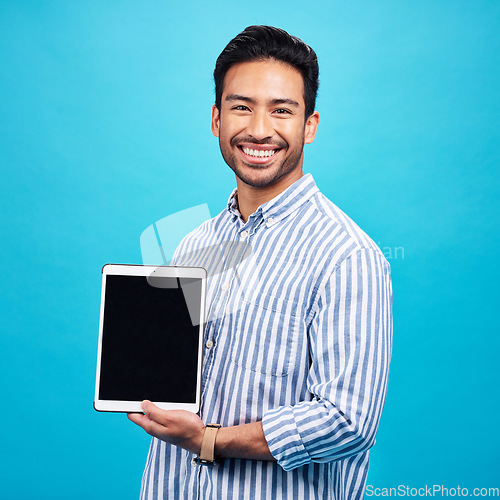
[[283, 100]]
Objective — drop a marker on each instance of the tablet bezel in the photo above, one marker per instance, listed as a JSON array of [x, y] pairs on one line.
[[146, 271]]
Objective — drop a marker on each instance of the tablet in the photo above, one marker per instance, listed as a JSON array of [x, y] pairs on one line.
[[150, 337]]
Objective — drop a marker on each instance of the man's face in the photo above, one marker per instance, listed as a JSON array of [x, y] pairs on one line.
[[260, 126]]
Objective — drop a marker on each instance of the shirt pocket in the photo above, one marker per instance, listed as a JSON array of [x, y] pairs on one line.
[[263, 334]]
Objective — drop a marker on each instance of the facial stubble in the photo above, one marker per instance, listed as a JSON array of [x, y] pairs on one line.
[[289, 164]]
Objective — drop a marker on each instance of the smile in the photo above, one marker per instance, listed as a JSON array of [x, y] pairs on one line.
[[259, 153]]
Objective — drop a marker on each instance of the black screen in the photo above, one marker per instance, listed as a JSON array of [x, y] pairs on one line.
[[149, 342]]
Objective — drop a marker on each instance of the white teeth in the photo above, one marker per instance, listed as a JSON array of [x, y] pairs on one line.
[[259, 153]]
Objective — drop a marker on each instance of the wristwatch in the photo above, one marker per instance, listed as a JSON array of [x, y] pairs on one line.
[[207, 451]]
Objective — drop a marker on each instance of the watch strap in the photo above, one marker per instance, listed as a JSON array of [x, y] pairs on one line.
[[207, 452]]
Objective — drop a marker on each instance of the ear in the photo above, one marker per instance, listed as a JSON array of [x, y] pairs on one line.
[[311, 127], [215, 121]]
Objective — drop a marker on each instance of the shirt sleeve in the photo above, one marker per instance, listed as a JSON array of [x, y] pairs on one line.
[[350, 337]]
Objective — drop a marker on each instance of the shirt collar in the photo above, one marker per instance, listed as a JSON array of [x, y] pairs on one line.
[[292, 198]]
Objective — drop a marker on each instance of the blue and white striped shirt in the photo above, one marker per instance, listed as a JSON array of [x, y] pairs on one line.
[[299, 335]]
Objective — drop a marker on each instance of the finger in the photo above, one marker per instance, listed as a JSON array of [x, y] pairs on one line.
[[137, 418], [150, 426], [154, 413]]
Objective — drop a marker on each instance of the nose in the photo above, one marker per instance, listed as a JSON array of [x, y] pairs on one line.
[[260, 126]]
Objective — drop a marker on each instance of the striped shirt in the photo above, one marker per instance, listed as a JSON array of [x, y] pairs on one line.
[[299, 335]]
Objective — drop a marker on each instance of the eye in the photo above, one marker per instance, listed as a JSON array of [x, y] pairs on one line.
[[240, 107], [282, 111]]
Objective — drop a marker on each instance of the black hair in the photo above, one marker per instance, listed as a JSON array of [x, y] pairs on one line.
[[257, 43]]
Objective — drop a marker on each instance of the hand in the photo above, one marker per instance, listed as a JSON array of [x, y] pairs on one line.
[[179, 427]]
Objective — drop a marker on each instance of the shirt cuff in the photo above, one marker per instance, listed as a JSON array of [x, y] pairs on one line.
[[283, 438]]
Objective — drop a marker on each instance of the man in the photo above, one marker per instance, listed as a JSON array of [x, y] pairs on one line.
[[299, 335]]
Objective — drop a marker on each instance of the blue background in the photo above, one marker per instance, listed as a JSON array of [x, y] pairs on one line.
[[104, 129]]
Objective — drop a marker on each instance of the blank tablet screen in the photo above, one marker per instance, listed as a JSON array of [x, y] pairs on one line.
[[149, 342]]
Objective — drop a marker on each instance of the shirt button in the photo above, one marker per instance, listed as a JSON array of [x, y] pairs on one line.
[[244, 234], [193, 461], [269, 222], [209, 344], [225, 286]]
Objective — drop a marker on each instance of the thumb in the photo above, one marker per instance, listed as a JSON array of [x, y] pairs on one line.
[[153, 412], [147, 406]]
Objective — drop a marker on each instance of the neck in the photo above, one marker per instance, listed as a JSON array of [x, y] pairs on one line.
[[251, 198]]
